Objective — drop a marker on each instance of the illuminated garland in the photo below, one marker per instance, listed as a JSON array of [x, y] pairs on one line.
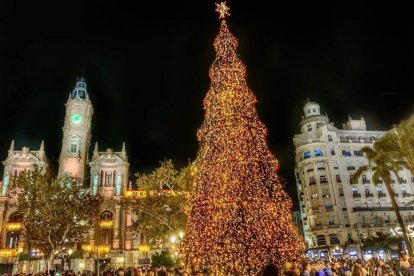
[[239, 215]]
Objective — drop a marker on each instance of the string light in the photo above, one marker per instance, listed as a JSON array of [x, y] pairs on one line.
[[239, 215]]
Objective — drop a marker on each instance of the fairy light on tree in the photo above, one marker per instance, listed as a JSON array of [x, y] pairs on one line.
[[239, 214]]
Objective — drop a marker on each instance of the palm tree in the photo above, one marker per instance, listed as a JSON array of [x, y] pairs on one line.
[[399, 144], [382, 166]]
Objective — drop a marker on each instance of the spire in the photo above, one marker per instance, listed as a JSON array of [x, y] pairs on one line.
[[80, 92], [95, 150], [123, 151], [11, 149], [42, 146]]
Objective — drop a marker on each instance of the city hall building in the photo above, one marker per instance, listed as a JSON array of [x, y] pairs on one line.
[[108, 174]]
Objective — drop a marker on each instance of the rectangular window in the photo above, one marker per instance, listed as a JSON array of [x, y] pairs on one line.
[[329, 208], [321, 240], [334, 239], [318, 152], [354, 190], [365, 180], [330, 138], [346, 153], [323, 179], [312, 181], [73, 148], [306, 154], [358, 153], [338, 178]]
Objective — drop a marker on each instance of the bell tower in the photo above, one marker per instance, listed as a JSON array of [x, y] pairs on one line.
[[76, 132]]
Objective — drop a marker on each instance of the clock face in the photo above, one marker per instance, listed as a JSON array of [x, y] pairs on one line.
[[76, 118]]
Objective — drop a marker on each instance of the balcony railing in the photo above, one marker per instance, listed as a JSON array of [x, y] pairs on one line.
[[366, 181], [356, 195], [406, 194], [381, 195], [395, 194], [371, 209], [369, 195]]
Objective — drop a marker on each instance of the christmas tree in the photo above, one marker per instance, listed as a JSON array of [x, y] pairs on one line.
[[239, 215]]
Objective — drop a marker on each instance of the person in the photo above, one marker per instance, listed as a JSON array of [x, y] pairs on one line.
[[404, 264], [410, 269], [320, 267], [162, 272], [306, 270], [344, 270], [270, 270], [328, 269]]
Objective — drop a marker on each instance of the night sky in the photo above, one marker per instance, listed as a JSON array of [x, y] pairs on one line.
[[147, 69]]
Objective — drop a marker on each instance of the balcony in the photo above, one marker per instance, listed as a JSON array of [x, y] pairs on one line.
[[324, 181], [106, 224], [382, 195], [333, 226], [9, 252], [395, 194], [350, 168], [14, 226], [403, 181], [366, 181], [356, 195], [371, 209], [406, 194], [321, 169], [335, 241], [369, 195]]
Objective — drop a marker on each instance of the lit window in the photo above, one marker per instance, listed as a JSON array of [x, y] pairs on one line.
[[306, 154], [318, 152]]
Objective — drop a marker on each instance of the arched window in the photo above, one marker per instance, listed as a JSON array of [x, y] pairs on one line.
[[106, 233], [14, 228]]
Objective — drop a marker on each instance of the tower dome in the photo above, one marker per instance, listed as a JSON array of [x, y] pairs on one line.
[[80, 91], [311, 109]]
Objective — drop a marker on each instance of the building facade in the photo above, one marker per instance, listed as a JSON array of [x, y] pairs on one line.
[[337, 214], [107, 173]]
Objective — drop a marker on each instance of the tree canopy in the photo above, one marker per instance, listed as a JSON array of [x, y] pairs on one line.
[[55, 212], [160, 213]]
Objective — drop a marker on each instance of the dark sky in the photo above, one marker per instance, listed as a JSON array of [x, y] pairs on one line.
[[147, 69]]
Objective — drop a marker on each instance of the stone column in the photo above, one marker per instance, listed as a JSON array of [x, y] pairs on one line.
[[128, 223], [2, 227], [115, 242]]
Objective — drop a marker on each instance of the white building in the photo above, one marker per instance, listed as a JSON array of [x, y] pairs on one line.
[[337, 214]]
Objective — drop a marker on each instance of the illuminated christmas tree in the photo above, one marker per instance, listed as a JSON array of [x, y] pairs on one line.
[[239, 215]]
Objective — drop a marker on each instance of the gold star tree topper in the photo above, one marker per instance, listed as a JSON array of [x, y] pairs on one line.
[[222, 9]]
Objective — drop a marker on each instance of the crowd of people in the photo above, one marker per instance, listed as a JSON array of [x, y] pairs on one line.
[[373, 267]]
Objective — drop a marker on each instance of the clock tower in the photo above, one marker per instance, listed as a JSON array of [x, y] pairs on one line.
[[76, 132]]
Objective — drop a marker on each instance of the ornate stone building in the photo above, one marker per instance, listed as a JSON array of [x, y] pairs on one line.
[[108, 176]]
